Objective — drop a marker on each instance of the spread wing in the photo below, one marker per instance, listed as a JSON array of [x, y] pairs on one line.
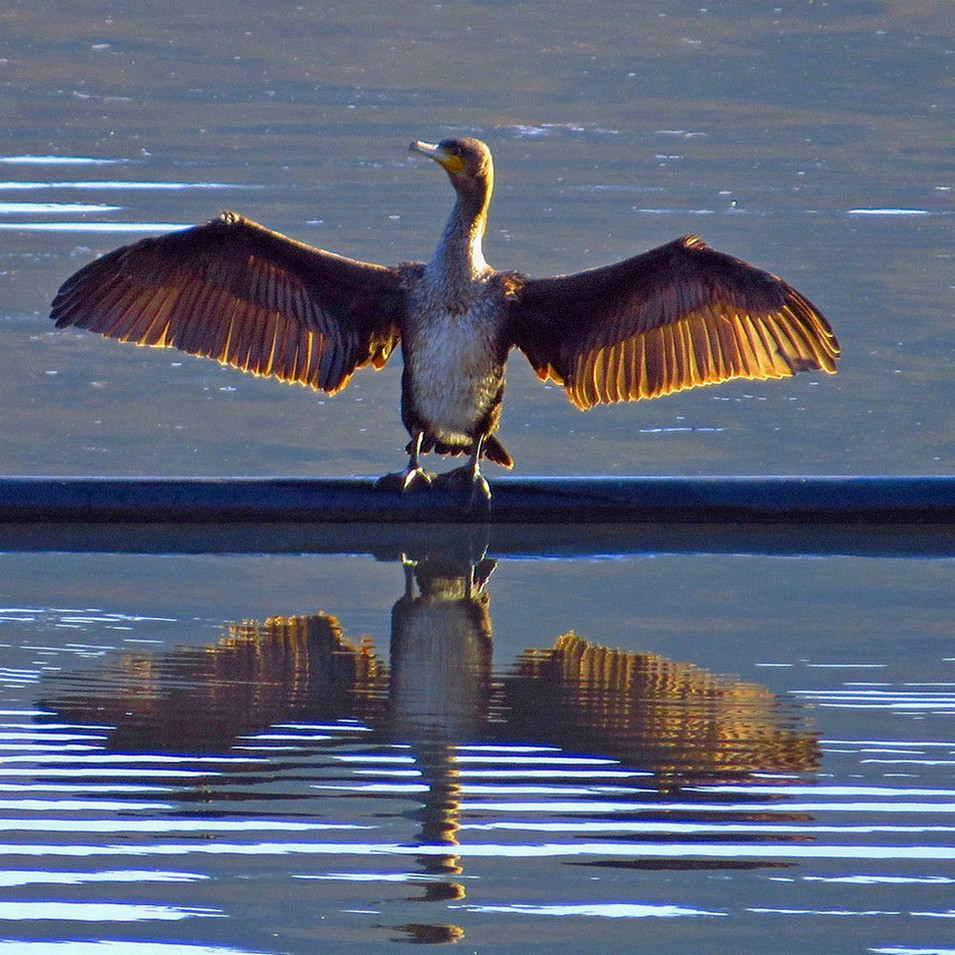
[[248, 297], [676, 317]]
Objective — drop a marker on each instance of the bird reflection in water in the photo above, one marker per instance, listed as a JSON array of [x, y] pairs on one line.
[[435, 695], [441, 628]]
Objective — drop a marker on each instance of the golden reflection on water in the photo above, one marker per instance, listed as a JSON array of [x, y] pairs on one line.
[[436, 689], [674, 719], [618, 725]]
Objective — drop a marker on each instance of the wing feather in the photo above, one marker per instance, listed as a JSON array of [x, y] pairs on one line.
[[236, 292], [677, 317]]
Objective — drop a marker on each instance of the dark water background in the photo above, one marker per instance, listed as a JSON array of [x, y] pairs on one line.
[[690, 751]]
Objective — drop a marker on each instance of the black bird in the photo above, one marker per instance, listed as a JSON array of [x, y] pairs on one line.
[[675, 317]]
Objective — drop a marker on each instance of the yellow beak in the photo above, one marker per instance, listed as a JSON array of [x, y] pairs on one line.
[[451, 164]]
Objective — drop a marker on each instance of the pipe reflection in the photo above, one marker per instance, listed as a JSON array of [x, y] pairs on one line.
[[655, 724]]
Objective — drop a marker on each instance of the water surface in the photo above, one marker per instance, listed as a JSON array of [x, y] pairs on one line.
[[700, 751], [272, 753], [812, 140]]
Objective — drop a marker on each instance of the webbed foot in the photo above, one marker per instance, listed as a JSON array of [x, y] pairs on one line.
[[466, 478], [410, 479]]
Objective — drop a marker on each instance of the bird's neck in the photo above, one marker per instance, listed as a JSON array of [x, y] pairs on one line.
[[459, 257]]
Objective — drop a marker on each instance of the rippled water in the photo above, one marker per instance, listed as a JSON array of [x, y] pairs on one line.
[[424, 761], [689, 748]]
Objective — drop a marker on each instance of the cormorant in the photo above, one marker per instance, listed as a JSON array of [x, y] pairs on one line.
[[676, 317]]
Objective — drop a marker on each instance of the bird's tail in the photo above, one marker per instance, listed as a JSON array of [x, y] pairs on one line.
[[496, 452], [492, 449]]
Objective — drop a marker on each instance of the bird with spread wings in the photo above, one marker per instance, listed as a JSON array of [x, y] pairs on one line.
[[679, 316]]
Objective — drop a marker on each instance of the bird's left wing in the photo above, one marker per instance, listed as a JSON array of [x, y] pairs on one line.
[[676, 317], [245, 296]]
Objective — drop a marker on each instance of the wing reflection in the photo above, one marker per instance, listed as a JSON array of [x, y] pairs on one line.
[[631, 746], [201, 700], [676, 720]]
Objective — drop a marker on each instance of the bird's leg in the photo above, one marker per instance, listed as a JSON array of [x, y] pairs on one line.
[[409, 565], [468, 476], [480, 489], [413, 477]]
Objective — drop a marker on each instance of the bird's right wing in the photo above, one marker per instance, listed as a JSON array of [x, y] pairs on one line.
[[246, 296], [678, 316]]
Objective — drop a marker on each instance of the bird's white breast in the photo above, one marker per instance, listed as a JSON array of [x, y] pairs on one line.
[[454, 367]]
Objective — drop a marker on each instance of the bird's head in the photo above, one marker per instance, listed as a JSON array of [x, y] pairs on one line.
[[467, 161]]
